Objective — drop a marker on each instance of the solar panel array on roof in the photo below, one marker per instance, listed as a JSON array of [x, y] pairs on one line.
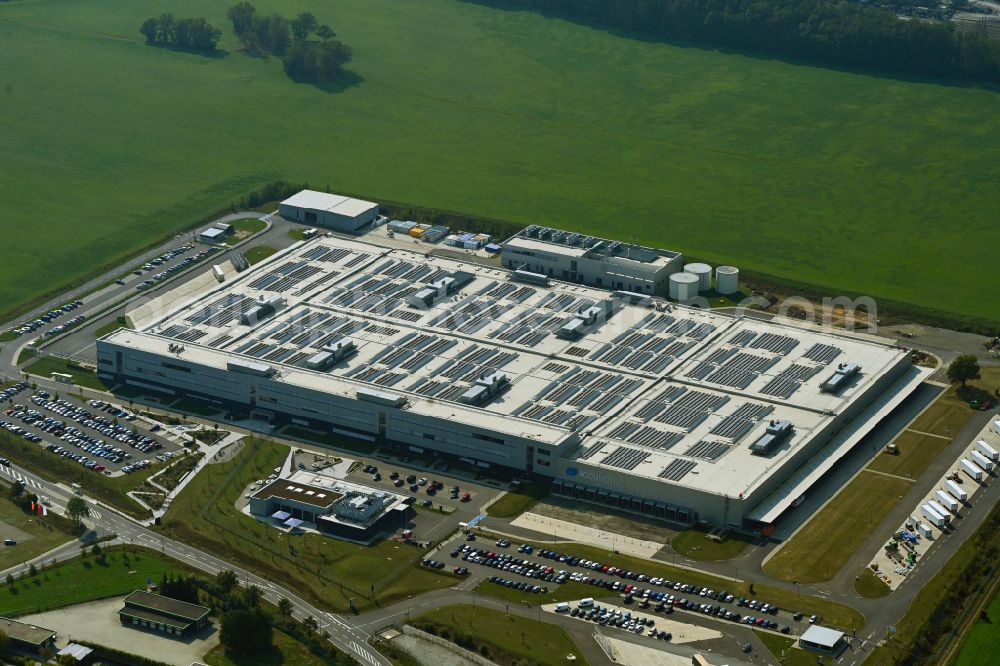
[[739, 423], [740, 370], [707, 450], [789, 380], [772, 342], [822, 353], [690, 409], [592, 451], [654, 438], [625, 458], [677, 469], [742, 338]]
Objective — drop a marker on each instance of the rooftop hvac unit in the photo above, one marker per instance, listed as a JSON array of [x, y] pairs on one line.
[[487, 386], [839, 379], [777, 432]]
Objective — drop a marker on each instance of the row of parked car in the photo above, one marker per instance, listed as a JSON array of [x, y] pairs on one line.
[[616, 617], [18, 430], [164, 258], [76, 457], [75, 321], [507, 562], [48, 317], [8, 393], [145, 284]]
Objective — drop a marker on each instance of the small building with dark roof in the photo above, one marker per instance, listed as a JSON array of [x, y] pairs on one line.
[[159, 613], [27, 637]]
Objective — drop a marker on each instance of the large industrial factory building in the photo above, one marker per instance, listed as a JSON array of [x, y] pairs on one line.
[[611, 397]]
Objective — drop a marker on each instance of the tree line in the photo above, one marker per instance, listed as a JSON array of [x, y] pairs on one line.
[[830, 32], [304, 59], [195, 34]]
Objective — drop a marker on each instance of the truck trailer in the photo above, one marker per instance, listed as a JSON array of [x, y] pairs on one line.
[[973, 470], [947, 500], [982, 461], [956, 490], [932, 516], [925, 530], [944, 513], [987, 450]]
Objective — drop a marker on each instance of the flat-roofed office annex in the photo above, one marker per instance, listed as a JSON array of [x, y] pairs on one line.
[[651, 402]]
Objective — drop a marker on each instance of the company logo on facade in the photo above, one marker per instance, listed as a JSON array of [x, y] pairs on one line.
[[603, 479]]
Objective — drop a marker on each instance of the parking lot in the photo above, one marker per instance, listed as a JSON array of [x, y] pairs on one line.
[[97, 435], [430, 490], [536, 571]]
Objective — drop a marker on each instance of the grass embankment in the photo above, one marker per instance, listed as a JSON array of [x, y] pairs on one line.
[[982, 643], [86, 377], [784, 650], [514, 503], [694, 543], [259, 253], [332, 440], [871, 586], [173, 474], [113, 325], [45, 532], [8, 336], [243, 229], [833, 614], [326, 570], [818, 550], [117, 571], [287, 652], [108, 489], [504, 639], [916, 452], [487, 78]]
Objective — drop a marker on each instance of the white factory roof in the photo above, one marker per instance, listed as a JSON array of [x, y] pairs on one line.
[[668, 382], [823, 636], [333, 203]]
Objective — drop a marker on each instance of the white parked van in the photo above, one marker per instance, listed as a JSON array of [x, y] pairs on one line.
[[562, 607], [586, 603]]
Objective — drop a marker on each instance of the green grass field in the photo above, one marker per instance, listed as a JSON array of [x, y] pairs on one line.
[[46, 365], [818, 550], [671, 145], [916, 452], [982, 643], [693, 543], [326, 570], [870, 586], [259, 253], [516, 638], [513, 504], [122, 570], [46, 534], [784, 650], [243, 229]]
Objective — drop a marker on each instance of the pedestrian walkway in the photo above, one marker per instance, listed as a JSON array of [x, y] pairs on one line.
[[561, 529]]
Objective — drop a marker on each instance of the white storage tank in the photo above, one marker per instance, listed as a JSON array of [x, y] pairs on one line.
[[704, 273], [727, 279], [683, 286]]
